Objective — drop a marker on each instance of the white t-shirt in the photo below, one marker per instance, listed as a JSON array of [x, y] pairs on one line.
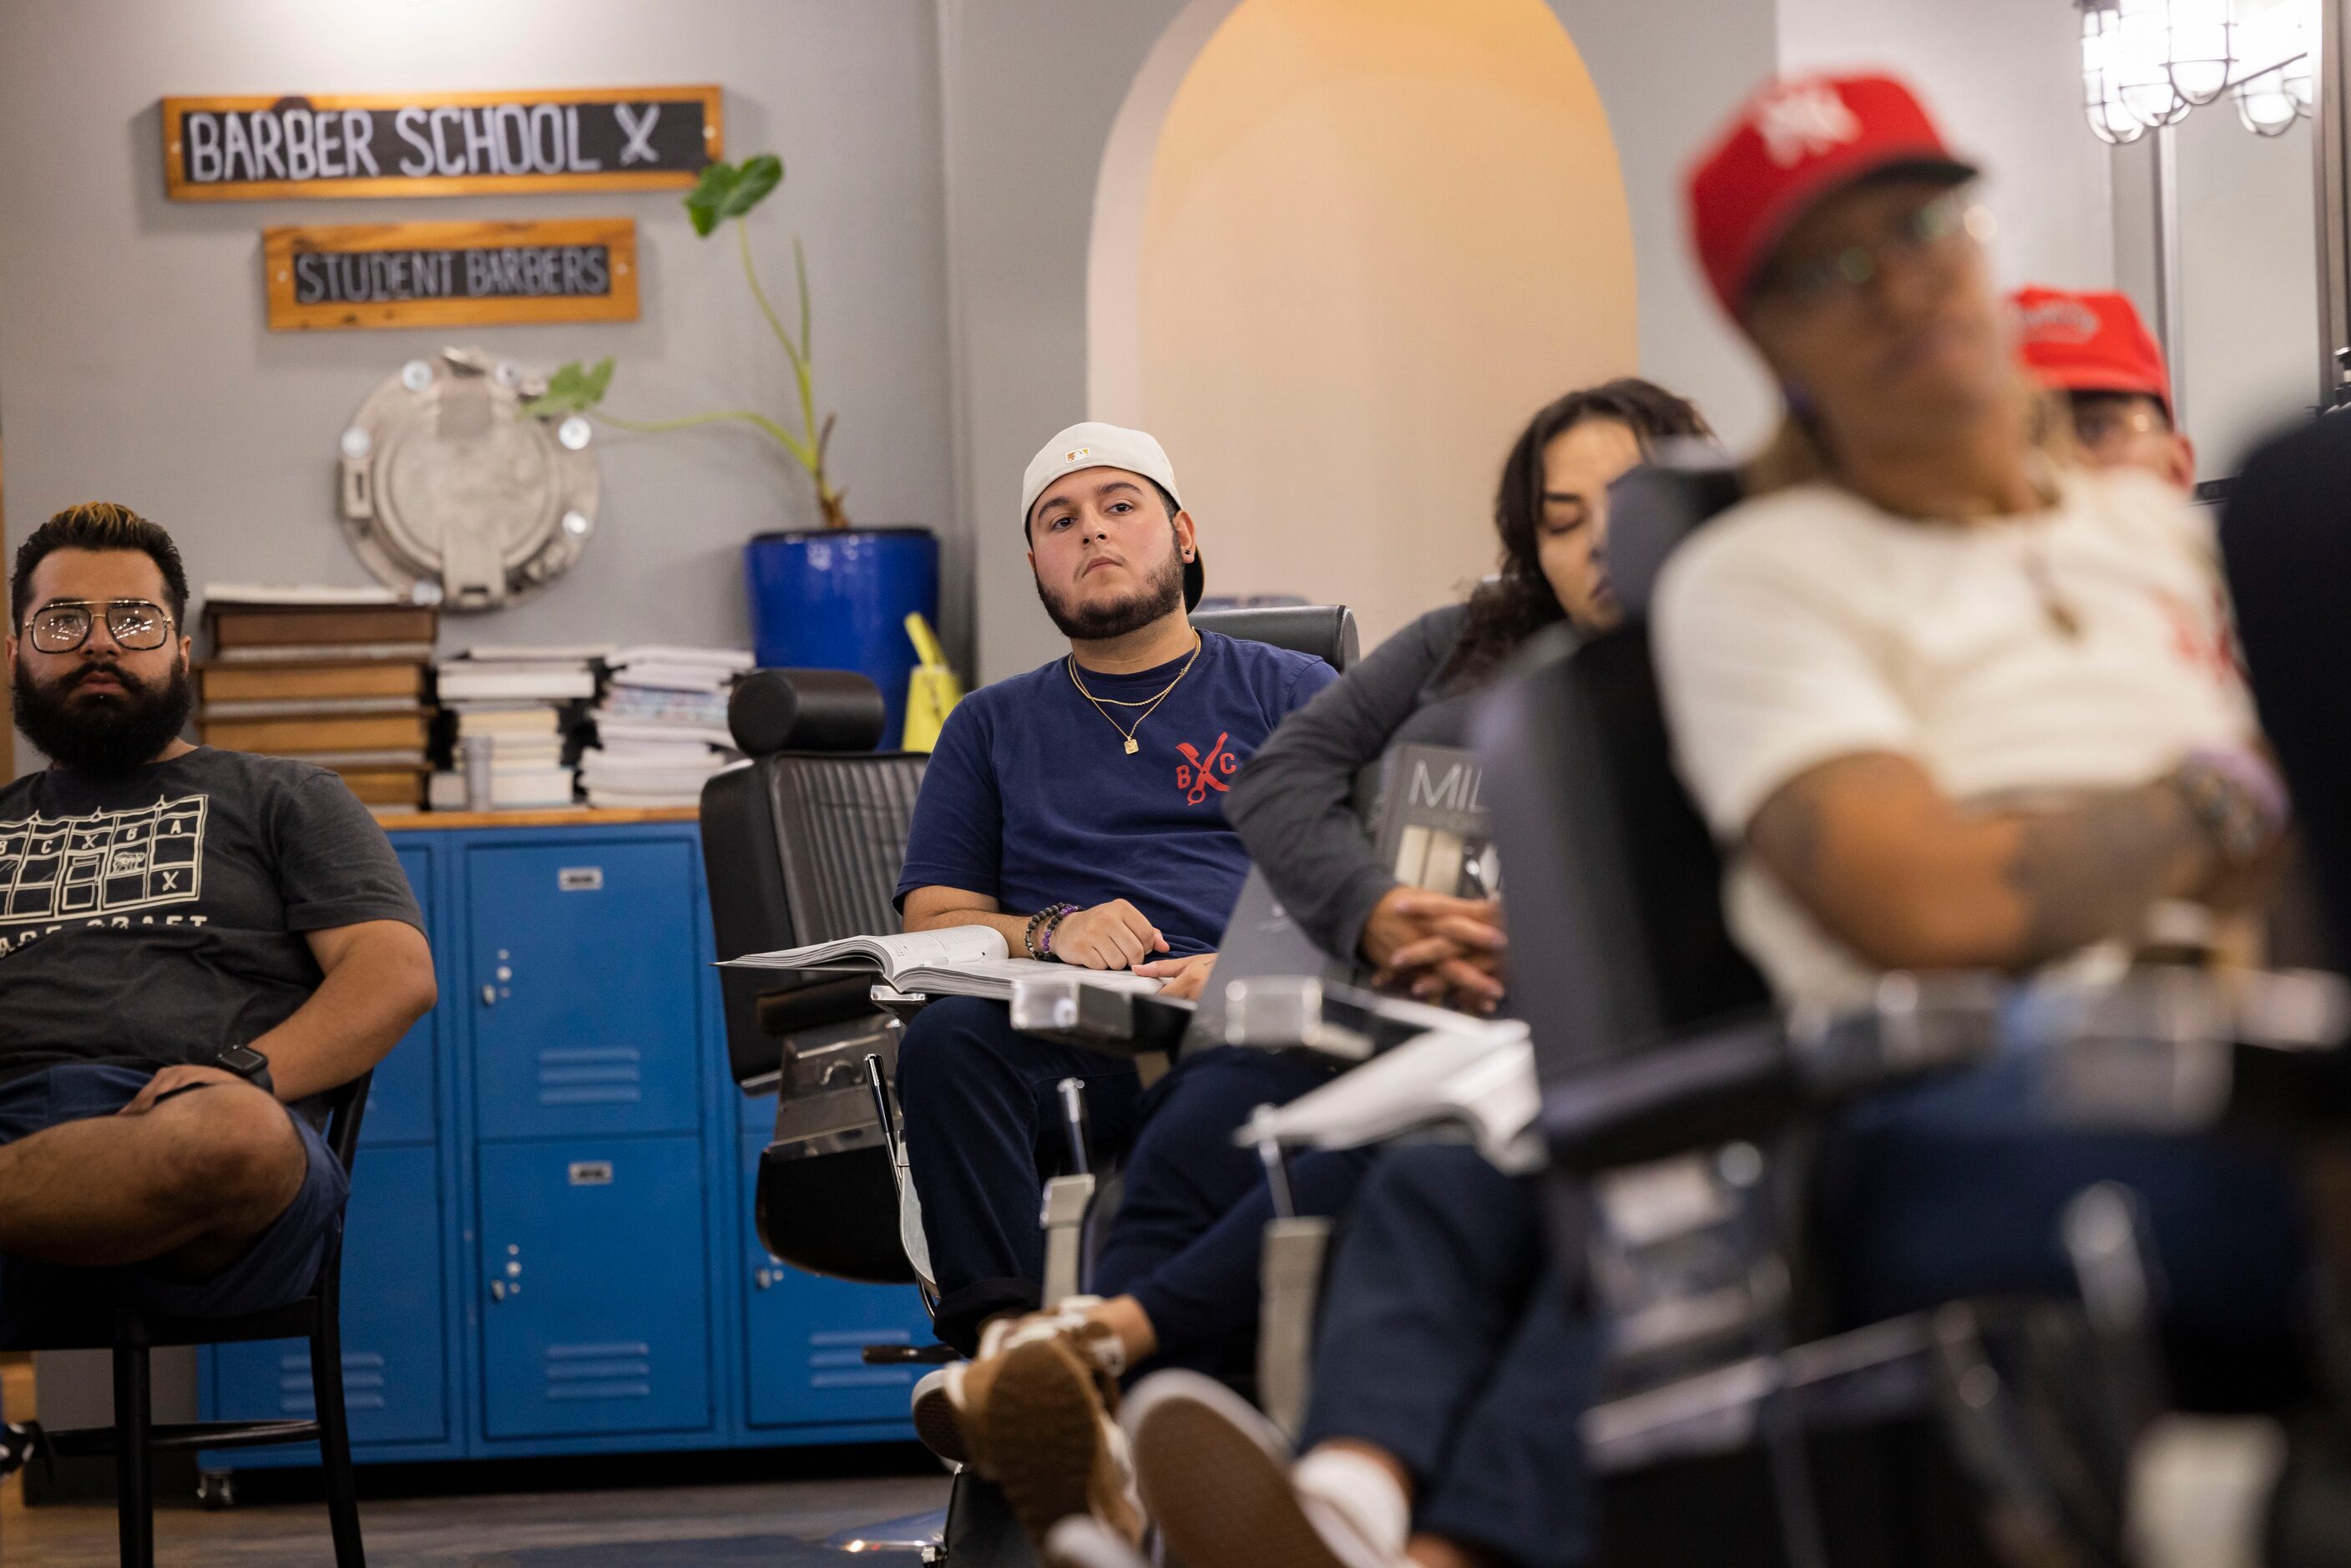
[[1809, 624]]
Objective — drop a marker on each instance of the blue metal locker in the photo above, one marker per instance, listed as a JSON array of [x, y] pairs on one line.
[[582, 986], [401, 1100], [804, 1336], [595, 1316], [394, 1359]]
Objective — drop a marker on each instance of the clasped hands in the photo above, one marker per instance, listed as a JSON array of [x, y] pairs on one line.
[[1438, 948], [1116, 936]]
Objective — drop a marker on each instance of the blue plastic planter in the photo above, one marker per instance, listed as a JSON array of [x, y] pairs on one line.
[[838, 599]]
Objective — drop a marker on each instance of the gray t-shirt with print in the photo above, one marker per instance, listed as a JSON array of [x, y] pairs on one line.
[[152, 917]]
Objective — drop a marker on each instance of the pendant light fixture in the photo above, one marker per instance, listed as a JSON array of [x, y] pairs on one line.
[[2146, 64]]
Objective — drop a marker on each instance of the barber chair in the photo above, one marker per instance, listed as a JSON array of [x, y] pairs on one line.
[[1325, 631], [1671, 1099], [803, 843]]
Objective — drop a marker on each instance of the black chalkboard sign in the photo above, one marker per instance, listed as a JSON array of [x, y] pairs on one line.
[[440, 274], [380, 144]]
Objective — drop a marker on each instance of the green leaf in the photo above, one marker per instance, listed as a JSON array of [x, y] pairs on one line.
[[710, 194], [572, 389], [730, 190], [754, 181]]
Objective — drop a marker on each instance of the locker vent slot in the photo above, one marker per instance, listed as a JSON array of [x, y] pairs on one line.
[[837, 1360], [590, 1075], [362, 1382], [614, 1371]]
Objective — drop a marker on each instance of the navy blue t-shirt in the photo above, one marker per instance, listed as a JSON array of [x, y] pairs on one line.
[[1032, 799]]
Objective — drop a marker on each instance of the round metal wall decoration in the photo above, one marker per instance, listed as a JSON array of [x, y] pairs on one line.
[[447, 484]]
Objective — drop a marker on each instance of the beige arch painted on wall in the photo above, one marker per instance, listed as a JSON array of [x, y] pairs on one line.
[[1341, 249]]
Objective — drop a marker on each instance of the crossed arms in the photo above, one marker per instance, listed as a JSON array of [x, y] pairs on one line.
[[1908, 878]]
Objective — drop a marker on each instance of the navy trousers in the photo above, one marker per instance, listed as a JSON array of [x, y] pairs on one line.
[[983, 1130], [1454, 1338]]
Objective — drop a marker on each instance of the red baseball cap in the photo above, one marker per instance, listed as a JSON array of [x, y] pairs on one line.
[[2090, 341], [1797, 141]]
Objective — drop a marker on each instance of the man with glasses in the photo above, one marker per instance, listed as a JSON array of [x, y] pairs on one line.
[[194, 946], [2092, 349], [1949, 701]]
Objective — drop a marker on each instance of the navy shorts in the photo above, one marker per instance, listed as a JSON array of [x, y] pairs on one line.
[[280, 1267]]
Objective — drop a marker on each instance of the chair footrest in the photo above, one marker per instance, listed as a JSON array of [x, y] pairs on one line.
[[909, 1355], [97, 1442]]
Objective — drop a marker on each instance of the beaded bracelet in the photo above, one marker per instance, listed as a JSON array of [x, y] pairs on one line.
[[1051, 913], [1045, 938]]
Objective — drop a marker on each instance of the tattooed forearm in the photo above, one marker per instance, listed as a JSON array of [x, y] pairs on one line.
[[2090, 872], [1908, 878]]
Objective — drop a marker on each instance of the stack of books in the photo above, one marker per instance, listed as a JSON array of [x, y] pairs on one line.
[[661, 730], [332, 675], [523, 705]]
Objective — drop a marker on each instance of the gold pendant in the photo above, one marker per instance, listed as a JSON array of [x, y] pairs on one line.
[[1133, 745]]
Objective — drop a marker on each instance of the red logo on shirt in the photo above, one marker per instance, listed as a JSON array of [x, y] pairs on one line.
[[1197, 775]]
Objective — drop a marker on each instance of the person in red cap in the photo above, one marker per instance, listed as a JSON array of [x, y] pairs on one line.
[[1925, 619], [2092, 349], [1923, 607]]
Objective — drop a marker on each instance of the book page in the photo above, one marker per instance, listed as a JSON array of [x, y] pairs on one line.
[[1010, 969], [893, 955], [949, 947]]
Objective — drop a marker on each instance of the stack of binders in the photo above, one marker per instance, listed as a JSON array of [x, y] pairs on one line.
[[332, 676]]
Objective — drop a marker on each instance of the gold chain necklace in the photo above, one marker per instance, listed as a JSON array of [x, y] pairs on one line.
[[1149, 704]]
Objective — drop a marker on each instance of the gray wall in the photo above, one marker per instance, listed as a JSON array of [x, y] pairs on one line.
[[1030, 89], [1670, 71], [134, 363]]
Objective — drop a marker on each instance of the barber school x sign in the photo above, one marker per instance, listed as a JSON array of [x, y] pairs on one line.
[[426, 144]]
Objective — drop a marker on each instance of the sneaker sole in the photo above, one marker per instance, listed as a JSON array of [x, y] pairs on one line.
[[939, 1427], [1044, 1435], [1220, 1499]]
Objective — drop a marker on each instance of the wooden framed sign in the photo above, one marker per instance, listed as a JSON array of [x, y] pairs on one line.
[[437, 274], [449, 143]]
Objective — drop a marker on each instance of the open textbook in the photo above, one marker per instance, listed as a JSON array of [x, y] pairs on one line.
[[954, 961]]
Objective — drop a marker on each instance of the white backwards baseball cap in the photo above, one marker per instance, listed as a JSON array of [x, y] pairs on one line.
[[1092, 444]]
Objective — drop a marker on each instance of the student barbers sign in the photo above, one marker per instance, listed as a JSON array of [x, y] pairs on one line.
[[434, 275], [452, 143]]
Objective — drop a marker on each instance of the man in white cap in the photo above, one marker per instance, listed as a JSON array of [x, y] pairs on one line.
[[1078, 809]]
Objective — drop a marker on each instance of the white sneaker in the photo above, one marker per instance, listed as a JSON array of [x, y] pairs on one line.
[[1082, 1542], [938, 1414], [1215, 1477]]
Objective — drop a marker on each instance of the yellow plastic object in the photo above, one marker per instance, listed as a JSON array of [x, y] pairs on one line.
[[931, 691]]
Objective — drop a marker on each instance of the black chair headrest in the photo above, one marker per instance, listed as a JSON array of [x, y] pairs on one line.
[[805, 710], [1325, 631], [1652, 508]]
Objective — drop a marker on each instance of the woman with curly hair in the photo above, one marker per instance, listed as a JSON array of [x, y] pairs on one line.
[[1293, 804]]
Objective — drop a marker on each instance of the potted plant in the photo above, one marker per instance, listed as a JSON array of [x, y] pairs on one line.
[[835, 597]]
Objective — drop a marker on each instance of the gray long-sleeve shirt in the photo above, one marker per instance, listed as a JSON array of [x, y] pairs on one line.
[[1295, 803]]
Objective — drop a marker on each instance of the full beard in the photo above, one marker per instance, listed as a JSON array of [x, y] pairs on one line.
[[109, 734], [1158, 598]]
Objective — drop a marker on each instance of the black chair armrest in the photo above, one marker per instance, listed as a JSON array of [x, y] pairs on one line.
[[790, 1012], [1739, 1082]]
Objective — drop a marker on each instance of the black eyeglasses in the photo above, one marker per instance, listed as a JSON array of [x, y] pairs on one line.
[[60, 626]]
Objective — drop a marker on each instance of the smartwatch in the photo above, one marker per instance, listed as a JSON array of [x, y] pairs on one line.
[[248, 1064]]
